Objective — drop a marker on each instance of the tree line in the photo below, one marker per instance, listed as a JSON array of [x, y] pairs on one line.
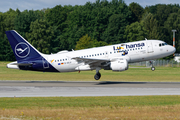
[[91, 25]]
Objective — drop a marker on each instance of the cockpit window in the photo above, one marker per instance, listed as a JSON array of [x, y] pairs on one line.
[[162, 44]]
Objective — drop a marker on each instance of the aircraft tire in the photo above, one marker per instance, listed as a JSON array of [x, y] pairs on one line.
[[153, 68], [97, 76]]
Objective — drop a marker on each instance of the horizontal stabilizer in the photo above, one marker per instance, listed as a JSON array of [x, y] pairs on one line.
[[15, 65], [22, 64]]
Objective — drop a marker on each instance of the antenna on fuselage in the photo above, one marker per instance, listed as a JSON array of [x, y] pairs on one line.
[[145, 38]]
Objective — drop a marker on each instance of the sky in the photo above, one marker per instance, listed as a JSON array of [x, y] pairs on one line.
[[22, 5]]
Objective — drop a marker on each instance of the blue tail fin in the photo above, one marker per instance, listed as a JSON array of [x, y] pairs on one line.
[[22, 49]]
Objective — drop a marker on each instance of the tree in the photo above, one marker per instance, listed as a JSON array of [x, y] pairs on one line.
[[41, 36], [23, 20], [87, 42], [137, 11], [135, 32], [151, 25], [116, 28], [56, 16], [173, 22], [95, 17], [6, 23], [162, 12]]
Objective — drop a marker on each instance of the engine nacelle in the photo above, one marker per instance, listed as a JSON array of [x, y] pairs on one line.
[[119, 65]]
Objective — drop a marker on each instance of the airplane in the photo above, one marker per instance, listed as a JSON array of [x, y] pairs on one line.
[[112, 57]]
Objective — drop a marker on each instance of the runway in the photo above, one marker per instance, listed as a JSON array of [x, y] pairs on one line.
[[96, 88]]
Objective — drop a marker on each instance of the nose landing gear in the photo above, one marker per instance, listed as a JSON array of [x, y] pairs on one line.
[[152, 68]]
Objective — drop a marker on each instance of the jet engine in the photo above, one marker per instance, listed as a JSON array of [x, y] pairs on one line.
[[117, 65]]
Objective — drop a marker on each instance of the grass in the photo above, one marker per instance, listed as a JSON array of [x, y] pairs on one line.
[[61, 102], [90, 108], [135, 107], [166, 74]]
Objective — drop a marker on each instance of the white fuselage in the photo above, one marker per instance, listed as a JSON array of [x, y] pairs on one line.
[[137, 51]]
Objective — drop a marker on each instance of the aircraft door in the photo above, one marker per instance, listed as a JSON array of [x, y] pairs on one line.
[[45, 63], [149, 47]]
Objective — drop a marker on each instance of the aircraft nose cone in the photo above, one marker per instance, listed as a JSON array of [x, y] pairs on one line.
[[174, 49], [171, 50]]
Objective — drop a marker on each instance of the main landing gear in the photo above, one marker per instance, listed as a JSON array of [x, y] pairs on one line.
[[97, 76]]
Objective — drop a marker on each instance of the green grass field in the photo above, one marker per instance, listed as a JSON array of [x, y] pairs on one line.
[[166, 74], [90, 108], [90, 102], [128, 107]]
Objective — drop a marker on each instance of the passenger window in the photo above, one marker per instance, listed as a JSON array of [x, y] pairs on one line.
[[84, 56], [97, 54], [66, 59], [110, 52], [92, 55], [103, 53], [58, 60], [55, 60], [100, 54], [89, 55]]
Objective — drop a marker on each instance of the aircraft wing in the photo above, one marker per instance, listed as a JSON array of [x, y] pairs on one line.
[[92, 62]]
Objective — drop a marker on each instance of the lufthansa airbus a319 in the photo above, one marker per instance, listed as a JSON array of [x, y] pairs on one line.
[[112, 57]]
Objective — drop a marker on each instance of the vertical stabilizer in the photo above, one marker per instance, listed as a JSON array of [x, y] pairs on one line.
[[22, 49]]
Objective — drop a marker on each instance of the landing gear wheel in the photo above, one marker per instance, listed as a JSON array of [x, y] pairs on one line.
[[97, 76], [153, 68]]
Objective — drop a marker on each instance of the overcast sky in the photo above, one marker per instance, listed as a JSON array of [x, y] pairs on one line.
[[40, 4]]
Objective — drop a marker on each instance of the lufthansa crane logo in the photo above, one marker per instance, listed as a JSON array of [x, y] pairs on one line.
[[22, 50]]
